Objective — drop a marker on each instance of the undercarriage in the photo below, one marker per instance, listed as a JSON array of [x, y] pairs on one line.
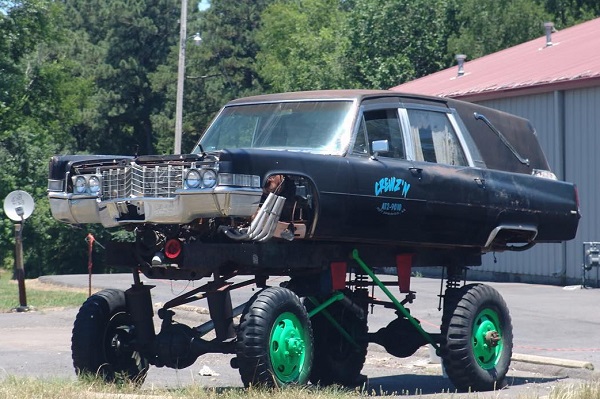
[[313, 327]]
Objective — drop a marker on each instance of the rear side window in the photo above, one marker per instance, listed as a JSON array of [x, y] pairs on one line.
[[434, 138]]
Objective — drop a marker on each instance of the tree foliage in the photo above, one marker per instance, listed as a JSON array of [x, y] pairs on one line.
[[396, 41], [223, 67], [124, 42], [485, 27], [565, 13], [303, 45], [35, 111], [22, 27]]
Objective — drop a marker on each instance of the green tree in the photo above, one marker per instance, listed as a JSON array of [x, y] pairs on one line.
[[484, 27], [164, 81], [33, 106], [220, 69], [570, 12], [396, 41], [22, 26], [302, 45], [124, 42], [223, 68], [41, 99], [230, 48]]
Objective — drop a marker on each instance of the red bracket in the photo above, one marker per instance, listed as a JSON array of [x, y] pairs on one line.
[[403, 267], [338, 275]]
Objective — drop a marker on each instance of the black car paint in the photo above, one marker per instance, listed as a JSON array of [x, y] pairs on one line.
[[439, 205]]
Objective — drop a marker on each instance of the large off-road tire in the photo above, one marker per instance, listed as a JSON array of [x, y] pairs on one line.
[[336, 359], [478, 340], [101, 341], [274, 340]]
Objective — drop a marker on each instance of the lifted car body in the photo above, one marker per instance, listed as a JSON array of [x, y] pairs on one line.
[[298, 184]]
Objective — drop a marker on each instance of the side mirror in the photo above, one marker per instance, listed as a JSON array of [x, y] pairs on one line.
[[380, 146]]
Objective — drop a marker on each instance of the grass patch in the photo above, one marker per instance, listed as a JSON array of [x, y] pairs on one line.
[[30, 388], [39, 296], [585, 390]]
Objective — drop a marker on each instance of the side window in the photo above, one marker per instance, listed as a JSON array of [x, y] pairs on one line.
[[434, 138], [383, 125]]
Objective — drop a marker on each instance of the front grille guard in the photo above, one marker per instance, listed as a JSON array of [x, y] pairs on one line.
[[157, 181]]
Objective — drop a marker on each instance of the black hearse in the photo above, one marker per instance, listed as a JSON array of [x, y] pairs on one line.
[[321, 187]]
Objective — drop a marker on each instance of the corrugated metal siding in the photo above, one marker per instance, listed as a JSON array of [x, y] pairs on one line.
[[543, 260], [582, 121]]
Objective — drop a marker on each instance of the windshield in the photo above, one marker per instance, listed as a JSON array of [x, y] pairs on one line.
[[313, 126]]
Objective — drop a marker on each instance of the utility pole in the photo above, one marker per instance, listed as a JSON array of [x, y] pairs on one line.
[[180, 77]]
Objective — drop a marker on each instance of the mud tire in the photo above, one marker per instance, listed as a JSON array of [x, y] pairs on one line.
[[274, 340], [471, 313], [101, 340]]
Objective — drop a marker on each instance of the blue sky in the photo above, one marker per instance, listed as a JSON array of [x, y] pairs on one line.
[[203, 5]]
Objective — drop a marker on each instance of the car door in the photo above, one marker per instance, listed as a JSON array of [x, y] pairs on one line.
[[381, 203], [454, 191]]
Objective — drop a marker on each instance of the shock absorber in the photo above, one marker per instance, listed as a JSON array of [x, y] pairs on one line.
[[454, 277], [361, 284]]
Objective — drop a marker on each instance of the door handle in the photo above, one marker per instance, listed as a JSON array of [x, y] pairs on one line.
[[480, 182], [416, 171]]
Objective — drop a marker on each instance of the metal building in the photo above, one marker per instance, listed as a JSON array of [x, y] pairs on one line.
[[554, 81]]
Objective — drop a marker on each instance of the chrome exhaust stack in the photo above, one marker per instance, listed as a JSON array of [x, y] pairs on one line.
[[263, 225]]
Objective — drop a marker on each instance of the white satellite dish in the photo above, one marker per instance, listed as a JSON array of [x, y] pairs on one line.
[[18, 205]]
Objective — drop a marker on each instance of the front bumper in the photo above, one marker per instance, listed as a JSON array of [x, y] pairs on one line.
[[184, 207]]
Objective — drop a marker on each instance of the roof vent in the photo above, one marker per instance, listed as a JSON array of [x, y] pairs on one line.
[[549, 27], [460, 58]]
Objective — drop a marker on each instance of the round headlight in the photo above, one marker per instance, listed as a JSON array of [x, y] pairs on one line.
[[209, 178], [94, 183], [80, 185], [193, 179]]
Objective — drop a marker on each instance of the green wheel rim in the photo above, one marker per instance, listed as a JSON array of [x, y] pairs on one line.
[[287, 347], [487, 339]]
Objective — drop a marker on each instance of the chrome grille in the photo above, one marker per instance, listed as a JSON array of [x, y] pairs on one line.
[[142, 181], [116, 183], [156, 181]]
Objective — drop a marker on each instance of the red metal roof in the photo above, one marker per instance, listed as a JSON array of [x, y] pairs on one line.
[[573, 60]]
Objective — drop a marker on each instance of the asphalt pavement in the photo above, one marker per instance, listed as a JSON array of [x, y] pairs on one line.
[[556, 338]]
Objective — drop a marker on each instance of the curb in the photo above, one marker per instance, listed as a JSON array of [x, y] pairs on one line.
[[552, 361]]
